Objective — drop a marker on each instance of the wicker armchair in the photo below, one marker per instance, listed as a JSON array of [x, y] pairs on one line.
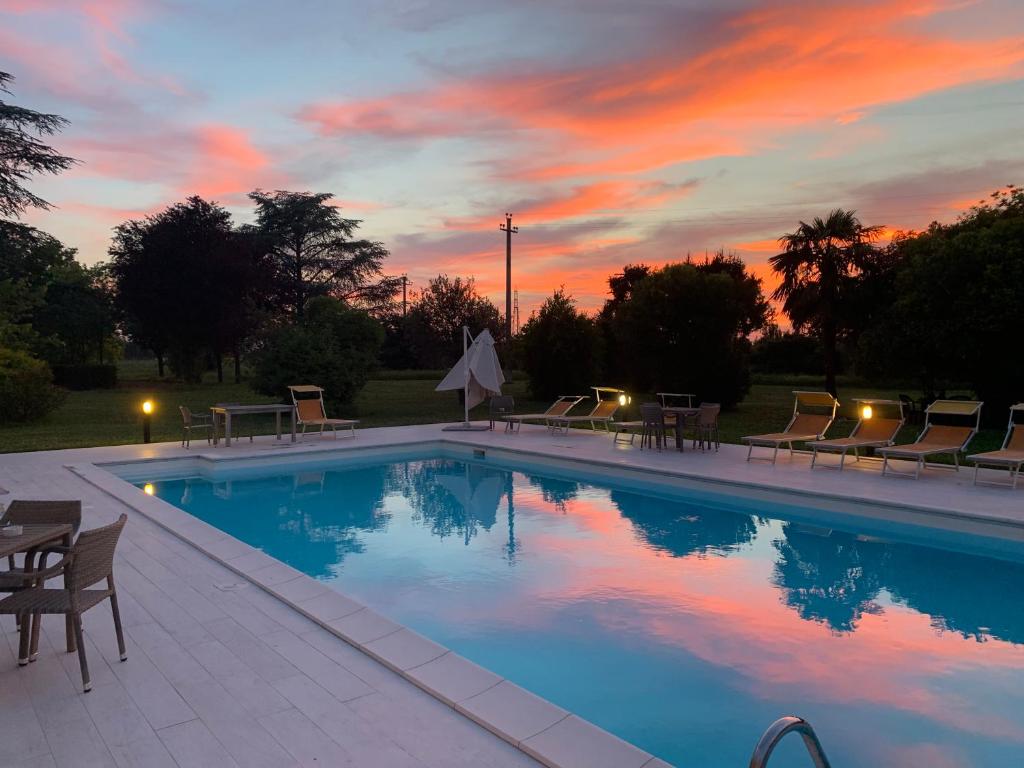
[[707, 425], [654, 430], [89, 561], [191, 422], [500, 407]]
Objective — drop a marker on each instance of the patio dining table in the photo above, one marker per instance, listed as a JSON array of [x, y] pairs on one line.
[[682, 413], [34, 537], [227, 411]]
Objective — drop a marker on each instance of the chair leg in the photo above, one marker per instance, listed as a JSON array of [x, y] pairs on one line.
[[117, 626], [80, 641]]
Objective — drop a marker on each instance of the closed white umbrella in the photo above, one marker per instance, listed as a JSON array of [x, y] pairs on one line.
[[478, 372]]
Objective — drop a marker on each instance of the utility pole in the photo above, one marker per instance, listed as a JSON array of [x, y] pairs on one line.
[[515, 308], [405, 303], [509, 230]]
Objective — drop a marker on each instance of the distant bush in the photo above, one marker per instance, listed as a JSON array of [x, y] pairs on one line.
[[26, 388], [333, 346], [85, 376], [787, 353]]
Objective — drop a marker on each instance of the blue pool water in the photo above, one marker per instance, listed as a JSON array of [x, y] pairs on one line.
[[684, 624]]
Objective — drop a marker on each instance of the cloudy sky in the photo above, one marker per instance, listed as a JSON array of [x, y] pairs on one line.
[[615, 132]]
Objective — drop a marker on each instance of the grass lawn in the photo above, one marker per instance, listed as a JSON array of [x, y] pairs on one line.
[[113, 417]]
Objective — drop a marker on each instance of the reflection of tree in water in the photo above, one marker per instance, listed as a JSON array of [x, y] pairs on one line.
[[836, 577], [977, 597], [451, 497], [554, 491], [828, 577], [682, 529], [310, 520]]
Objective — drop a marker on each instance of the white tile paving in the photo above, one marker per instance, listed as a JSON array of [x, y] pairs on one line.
[[223, 673]]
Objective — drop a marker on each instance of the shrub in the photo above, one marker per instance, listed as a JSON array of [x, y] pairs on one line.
[[26, 388], [561, 349], [332, 346], [85, 376], [787, 353]]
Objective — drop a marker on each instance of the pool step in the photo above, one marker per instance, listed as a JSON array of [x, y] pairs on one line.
[[777, 731]]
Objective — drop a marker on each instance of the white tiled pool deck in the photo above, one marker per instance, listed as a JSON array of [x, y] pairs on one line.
[[236, 659]]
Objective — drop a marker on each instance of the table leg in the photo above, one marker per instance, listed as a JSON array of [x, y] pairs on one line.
[[216, 431], [69, 627], [227, 429], [680, 425], [293, 425], [29, 621], [277, 423]]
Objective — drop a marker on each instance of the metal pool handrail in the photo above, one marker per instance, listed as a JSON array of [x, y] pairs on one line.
[[778, 731]]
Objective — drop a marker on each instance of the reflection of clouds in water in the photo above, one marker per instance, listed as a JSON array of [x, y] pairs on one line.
[[452, 497]]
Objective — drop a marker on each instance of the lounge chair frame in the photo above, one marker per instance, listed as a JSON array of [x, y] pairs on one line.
[[992, 459], [776, 440], [843, 446], [561, 406], [322, 421], [969, 408], [602, 413]]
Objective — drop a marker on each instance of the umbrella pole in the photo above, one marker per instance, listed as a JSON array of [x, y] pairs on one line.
[[465, 389]]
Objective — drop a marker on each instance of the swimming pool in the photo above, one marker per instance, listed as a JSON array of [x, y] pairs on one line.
[[683, 622]]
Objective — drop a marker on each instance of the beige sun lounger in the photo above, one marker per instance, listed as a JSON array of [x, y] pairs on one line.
[[870, 432], [1010, 457], [936, 439], [310, 412], [561, 406], [803, 427], [603, 412]]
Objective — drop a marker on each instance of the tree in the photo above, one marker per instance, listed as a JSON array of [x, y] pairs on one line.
[[818, 266], [24, 154], [314, 253], [562, 349], [27, 258], [181, 277], [433, 327], [77, 317], [685, 330], [951, 301], [332, 345]]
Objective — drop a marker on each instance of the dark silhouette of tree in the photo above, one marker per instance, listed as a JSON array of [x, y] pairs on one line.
[[967, 274], [77, 319], [433, 327], [180, 275], [684, 329], [562, 349], [24, 154], [819, 265], [315, 253]]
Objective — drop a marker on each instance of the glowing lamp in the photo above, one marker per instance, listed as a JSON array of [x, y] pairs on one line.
[[625, 399], [147, 420], [866, 412], [148, 489]]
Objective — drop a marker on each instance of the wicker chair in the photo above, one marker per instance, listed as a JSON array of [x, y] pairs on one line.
[[191, 422], [707, 425], [500, 407], [654, 430], [89, 561]]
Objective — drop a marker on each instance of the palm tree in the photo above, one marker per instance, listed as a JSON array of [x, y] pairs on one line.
[[819, 264]]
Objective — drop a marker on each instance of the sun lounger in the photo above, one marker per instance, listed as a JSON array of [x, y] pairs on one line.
[[1010, 457], [871, 431], [310, 412], [603, 412], [937, 439], [561, 406], [803, 427]]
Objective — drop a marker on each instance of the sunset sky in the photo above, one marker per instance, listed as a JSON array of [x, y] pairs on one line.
[[615, 132]]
